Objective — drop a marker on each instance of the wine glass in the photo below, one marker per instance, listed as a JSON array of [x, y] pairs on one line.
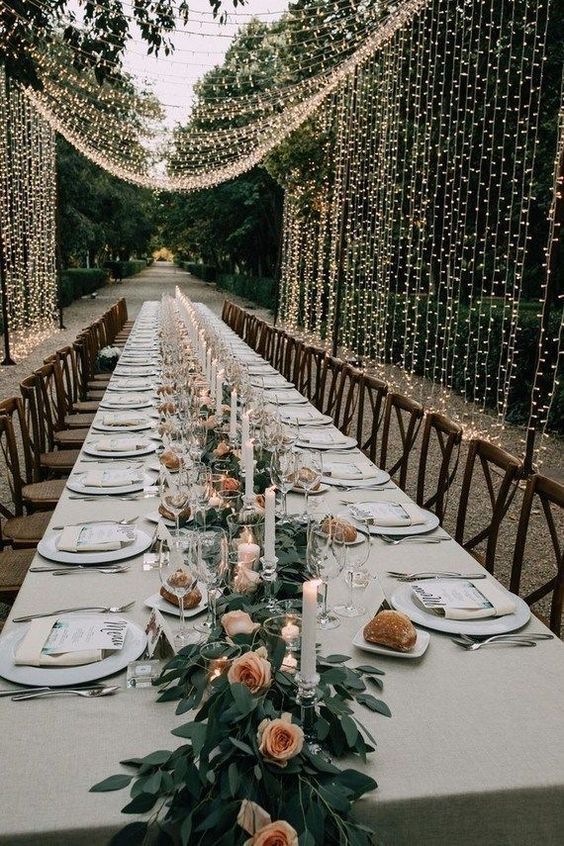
[[175, 495], [178, 577], [309, 475], [283, 469], [355, 555], [324, 563], [211, 568]]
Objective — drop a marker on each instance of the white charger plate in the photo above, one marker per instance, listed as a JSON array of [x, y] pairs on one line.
[[133, 647], [380, 477], [418, 650], [47, 547], [129, 370], [161, 604], [130, 403], [118, 386], [346, 443], [90, 449], [271, 383], [431, 522], [138, 427], [289, 397], [316, 420], [402, 600], [74, 484]]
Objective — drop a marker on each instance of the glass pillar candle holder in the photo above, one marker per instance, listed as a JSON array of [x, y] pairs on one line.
[[217, 656], [288, 628]]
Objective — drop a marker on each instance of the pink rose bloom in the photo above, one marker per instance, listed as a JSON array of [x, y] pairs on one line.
[[280, 740], [238, 622], [251, 669]]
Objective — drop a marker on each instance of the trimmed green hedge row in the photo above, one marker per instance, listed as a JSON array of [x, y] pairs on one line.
[[133, 266], [259, 289], [80, 281], [205, 272]]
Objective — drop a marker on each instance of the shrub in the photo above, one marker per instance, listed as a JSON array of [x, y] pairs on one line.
[[260, 289], [205, 272], [80, 281], [133, 266]]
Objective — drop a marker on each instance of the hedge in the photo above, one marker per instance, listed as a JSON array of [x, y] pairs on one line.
[[133, 266], [80, 281], [259, 289], [205, 272]]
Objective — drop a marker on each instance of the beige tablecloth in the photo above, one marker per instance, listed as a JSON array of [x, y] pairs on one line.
[[473, 753]]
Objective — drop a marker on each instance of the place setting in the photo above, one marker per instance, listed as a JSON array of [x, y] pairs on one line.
[[94, 543], [102, 479], [133, 401], [352, 474], [122, 422], [326, 440], [120, 446]]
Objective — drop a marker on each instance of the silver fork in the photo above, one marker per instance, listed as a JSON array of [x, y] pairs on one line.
[[79, 568], [394, 541], [112, 609], [91, 692], [475, 643], [124, 522], [412, 577]]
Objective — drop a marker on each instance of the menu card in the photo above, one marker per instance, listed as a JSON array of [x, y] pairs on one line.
[[463, 600], [79, 634]]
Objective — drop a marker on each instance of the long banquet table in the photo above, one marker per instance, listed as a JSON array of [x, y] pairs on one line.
[[473, 753]]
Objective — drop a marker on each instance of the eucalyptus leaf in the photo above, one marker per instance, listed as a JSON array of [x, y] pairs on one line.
[[374, 704], [115, 782]]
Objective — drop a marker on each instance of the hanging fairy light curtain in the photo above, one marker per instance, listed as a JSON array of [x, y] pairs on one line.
[[435, 137], [27, 220]]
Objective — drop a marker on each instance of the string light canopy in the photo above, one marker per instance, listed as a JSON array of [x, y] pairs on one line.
[[27, 223]]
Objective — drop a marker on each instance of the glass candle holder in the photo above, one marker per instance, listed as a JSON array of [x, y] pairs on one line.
[[218, 655]]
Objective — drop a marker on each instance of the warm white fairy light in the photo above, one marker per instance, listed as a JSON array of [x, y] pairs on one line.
[[27, 220]]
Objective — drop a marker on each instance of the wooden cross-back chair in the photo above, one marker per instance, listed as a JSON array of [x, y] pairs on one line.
[[226, 311], [549, 495], [402, 418], [250, 329], [35, 493], [265, 339], [346, 418], [438, 462], [53, 409], [279, 350], [77, 414], [370, 414], [499, 473], [331, 386], [47, 461], [308, 379], [292, 355], [21, 529]]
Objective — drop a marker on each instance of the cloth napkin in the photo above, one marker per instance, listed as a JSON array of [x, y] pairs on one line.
[[111, 478], [102, 538], [463, 600], [349, 472], [29, 651], [390, 514], [302, 415], [122, 420], [322, 438], [134, 399], [119, 444]]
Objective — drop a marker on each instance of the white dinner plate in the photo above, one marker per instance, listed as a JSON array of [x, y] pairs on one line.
[[134, 402], [138, 427], [90, 449], [316, 418], [289, 397], [431, 522], [380, 477], [133, 647], [345, 443], [418, 650], [148, 372], [402, 600], [162, 604], [118, 386], [47, 547], [74, 484]]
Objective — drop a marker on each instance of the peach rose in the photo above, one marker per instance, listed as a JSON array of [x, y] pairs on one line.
[[229, 484], [211, 422], [279, 740], [238, 622], [222, 449], [246, 580], [252, 817], [251, 669], [279, 833]]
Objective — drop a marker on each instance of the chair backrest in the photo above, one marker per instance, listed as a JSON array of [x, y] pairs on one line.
[[265, 339], [549, 495], [400, 429], [349, 406], [438, 462], [49, 405], [291, 363], [35, 423], [279, 350], [13, 469], [331, 386], [308, 380], [497, 482], [370, 414]]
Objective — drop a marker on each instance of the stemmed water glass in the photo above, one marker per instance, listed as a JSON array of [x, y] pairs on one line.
[[211, 561], [283, 469], [179, 579], [354, 555], [324, 563], [175, 495], [309, 475]]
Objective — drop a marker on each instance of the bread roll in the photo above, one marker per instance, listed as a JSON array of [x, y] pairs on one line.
[[165, 389], [191, 600], [168, 515], [170, 459], [393, 629], [306, 474], [346, 530], [167, 407]]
